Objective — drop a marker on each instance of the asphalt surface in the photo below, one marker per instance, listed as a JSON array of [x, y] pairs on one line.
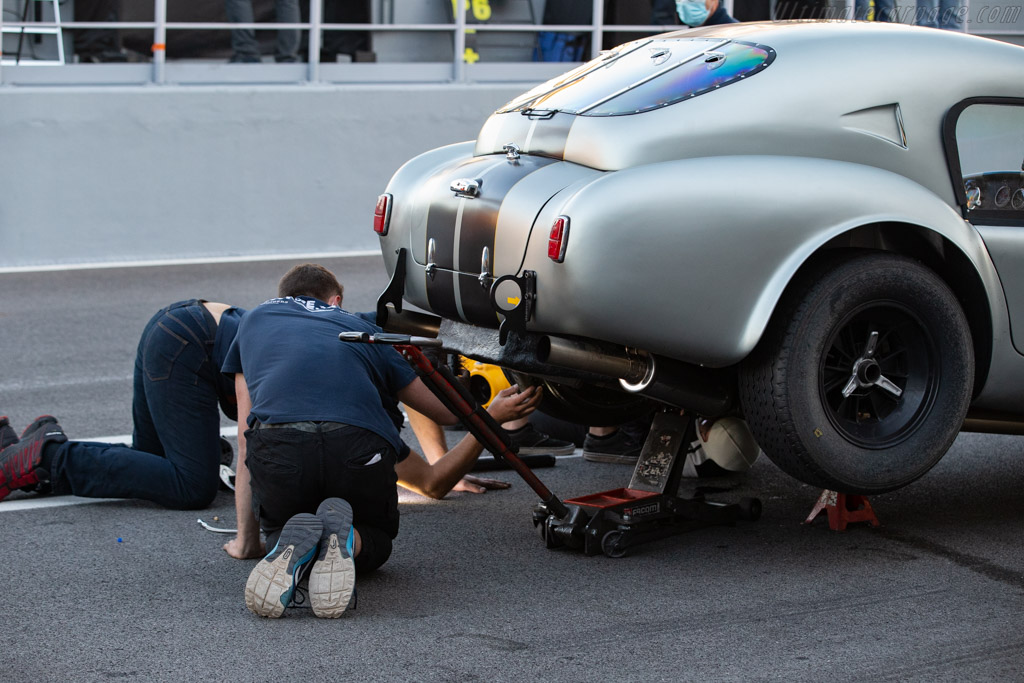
[[127, 590]]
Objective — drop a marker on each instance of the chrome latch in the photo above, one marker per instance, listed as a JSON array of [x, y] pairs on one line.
[[660, 55], [431, 269], [713, 60], [485, 278], [511, 151], [466, 187]]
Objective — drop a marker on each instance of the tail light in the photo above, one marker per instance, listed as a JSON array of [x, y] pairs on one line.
[[382, 214], [558, 238]]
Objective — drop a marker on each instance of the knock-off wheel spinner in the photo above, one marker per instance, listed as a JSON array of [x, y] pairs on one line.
[[867, 372], [878, 375]]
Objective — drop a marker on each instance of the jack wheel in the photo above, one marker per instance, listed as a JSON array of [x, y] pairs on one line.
[[548, 534], [613, 545], [750, 509]]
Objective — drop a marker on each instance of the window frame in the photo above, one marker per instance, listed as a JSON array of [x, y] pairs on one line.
[[952, 149]]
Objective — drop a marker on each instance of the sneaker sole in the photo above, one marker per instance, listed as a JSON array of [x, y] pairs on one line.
[[540, 450], [333, 578], [611, 457], [271, 584]]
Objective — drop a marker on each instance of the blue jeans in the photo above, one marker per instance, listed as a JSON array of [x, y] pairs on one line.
[[884, 10], [175, 454], [947, 14], [243, 40]]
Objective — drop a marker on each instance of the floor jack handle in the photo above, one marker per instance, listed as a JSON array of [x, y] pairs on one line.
[[461, 403], [478, 421]]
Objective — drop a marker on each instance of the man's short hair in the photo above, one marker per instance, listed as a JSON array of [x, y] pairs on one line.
[[310, 279]]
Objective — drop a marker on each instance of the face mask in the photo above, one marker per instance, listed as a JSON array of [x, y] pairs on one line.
[[692, 12]]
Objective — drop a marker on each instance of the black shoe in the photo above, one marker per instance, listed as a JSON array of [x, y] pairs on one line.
[[244, 59], [333, 579], [532, 442], [21, 464], [286, 59], [8, 437], [616, 448], [272, 582]]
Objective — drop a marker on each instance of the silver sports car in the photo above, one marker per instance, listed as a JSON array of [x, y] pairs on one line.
[[817, 226]]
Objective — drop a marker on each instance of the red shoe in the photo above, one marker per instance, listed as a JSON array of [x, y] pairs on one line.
[[21, 464]]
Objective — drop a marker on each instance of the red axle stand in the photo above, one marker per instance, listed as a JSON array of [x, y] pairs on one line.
[[842, 509]]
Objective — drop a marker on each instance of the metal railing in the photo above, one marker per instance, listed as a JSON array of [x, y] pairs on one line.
[[459, 28]]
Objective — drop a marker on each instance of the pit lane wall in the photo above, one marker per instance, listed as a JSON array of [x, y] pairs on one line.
[[97, 175]]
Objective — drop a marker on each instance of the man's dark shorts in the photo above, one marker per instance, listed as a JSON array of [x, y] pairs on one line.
[[295, 467]]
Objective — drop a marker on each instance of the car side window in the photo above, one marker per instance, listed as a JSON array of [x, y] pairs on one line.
[[990, 149]]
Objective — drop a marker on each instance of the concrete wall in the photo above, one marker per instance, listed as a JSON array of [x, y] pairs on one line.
[[144, 173]]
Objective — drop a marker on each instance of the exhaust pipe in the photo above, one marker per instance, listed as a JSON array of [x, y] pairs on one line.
[[702, 390], [413, 323], [607, 360]]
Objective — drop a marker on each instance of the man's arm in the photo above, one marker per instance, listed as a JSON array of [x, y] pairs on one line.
[[247, 544], [417, 396], [436, 480], [434, 446]]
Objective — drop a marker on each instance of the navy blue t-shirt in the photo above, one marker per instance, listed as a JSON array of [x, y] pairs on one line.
[[296, 369], [226, 331]]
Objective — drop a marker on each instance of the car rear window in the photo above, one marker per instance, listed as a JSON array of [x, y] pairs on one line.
[[645, 75]]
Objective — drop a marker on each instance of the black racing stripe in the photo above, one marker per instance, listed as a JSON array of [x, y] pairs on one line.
[[442, 211], [476, 301], [444, 207], [441, 294], [549, 136], [479, 223]]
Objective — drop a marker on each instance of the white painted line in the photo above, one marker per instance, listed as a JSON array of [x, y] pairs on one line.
[[63, 501], [189, 261], [62, 381], [127, 438], [50, 502]]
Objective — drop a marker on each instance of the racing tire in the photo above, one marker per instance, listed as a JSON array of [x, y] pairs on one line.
[[588, 405], [838, 407]]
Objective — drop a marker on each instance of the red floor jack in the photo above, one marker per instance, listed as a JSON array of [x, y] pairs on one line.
[[610, 522]]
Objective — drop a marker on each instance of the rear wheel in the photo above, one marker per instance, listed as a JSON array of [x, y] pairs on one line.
[[864, 376]]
